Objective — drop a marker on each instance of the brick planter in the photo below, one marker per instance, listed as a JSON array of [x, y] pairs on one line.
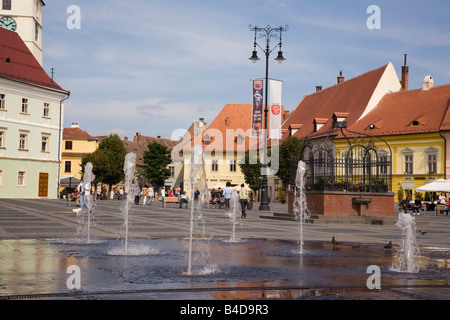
[[336, 203]]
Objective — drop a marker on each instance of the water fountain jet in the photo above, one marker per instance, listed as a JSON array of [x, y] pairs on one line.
[[301, 212]]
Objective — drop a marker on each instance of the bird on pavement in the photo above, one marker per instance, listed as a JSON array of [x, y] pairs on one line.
[[422, 232], [334, 242], [389, 245]]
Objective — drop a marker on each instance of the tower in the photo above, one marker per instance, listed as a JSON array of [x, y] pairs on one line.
[[25, 18]]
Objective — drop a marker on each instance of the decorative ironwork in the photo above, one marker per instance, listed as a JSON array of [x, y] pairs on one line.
[[363, 167]]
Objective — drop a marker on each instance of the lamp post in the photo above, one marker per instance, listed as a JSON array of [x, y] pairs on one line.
[[268, 32]]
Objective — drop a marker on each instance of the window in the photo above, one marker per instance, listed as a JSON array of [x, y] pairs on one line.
[[431, 156], [233, 165], [172, 171], [44, 144], [21, 178], [432, 163], [408, 161], [215, 165], [409, 164], [68, 145], [6, 5], [23, 141], [67, 166], [46, 111], [24, 105], [2, 138], [2, 101]]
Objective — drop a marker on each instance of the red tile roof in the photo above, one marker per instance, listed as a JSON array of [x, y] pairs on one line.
[[349, 98], [76, 134], [408, 112], [236, 118], [18, 63]]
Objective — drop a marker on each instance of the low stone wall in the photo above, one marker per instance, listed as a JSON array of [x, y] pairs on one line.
[[335, 203]]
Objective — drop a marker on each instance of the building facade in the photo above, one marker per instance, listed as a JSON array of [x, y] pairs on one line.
[[25, 18], [31, 113], [75, 145]]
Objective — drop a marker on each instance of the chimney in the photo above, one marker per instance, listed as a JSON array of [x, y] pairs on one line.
[[318, 88], [125, 139], [405, 75], [74, 125], [428, 83], [340, 79], [159, 137]]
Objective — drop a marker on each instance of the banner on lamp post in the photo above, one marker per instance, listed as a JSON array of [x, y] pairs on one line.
[[257, 110], [275, 109]]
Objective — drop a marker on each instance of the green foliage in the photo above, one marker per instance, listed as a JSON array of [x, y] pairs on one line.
[[107, 161], [290, 147], [157, 158], [400, 195], [252, 172]]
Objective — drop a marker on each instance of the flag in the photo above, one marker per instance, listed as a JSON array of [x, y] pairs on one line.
[[275, 109], [257, 111]]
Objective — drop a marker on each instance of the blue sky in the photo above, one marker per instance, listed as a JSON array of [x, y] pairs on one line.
[[156, 66]]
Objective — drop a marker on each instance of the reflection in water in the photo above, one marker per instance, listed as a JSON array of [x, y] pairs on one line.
[[254, 269]]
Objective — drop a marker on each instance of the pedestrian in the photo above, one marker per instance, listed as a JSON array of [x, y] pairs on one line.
[[227, 193], [80, 191], [184, 199], [151, 194], [177, 191], [137, 194], [417, 206], [243, 195], [144, 194]]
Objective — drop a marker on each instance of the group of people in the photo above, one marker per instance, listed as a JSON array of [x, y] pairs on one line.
[[417, 204], [221, 197]]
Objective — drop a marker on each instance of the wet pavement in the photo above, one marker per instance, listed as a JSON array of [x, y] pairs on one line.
[[39, 241]]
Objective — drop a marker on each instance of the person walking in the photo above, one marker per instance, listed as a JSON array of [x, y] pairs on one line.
[[144, 194], [151, 194], [227, 193], [243, 195]]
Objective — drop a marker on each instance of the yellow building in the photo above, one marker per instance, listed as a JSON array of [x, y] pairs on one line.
[[75, 145], [414, 123]]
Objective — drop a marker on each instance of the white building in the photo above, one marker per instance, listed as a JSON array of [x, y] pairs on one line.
[[31, 117], [25, 18]]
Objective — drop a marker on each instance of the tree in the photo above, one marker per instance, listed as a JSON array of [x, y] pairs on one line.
[[107, 161], [252, 172], [157, 158], [290, 147]]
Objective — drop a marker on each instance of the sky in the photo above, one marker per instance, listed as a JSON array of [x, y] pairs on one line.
[[155, 66]]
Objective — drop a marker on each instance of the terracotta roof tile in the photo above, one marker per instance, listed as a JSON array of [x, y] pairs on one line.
[[76, 134], [407, 112], [233, 118], [350, 98], [18, 63]]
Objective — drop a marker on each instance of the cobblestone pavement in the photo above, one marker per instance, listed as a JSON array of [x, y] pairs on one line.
[[39, 218], [45, 219]]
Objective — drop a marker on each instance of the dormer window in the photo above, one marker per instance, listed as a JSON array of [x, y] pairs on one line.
[[319, 123], [414, 123], [206, 139]]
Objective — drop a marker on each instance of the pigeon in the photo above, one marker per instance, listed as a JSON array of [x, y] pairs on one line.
[[334, 242], [422, 232], [389, 245]]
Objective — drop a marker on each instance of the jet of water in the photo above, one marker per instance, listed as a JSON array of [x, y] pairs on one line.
[[301, 212], [408, 252], [129, 170]]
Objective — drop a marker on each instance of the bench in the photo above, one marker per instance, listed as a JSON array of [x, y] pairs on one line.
[[175, 200]]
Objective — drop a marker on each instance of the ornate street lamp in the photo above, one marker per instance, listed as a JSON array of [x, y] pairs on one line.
[[268, 32]]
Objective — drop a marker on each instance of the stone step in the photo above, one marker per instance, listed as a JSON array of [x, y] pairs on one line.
[[320, 219]]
